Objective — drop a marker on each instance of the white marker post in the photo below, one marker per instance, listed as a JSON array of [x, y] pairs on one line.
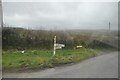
[[54, 51]]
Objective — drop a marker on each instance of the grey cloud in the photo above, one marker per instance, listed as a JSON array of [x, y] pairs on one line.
[[63, 15]]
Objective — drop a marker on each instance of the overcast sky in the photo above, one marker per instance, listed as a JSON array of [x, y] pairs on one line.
[[61, 15]]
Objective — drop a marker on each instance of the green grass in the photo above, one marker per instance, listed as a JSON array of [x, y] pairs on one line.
[[34, 59]]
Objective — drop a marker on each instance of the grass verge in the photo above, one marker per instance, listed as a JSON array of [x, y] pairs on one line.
[[40, 59]]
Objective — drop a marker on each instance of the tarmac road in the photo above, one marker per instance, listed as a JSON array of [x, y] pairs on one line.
[[103, 66]]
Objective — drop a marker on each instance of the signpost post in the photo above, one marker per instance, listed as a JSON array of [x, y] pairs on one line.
[[57, 46], [54, 46]]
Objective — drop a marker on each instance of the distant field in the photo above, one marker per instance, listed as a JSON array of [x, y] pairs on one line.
[[40, 59]]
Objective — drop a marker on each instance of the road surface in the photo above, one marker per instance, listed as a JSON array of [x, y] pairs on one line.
[[103, 66]]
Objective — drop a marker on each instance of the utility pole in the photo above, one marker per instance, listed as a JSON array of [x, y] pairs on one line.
[[1, 13], [54, 51], [109, 26]]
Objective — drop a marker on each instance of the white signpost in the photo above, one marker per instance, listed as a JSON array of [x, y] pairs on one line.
[[54, 46], [57, 46]]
